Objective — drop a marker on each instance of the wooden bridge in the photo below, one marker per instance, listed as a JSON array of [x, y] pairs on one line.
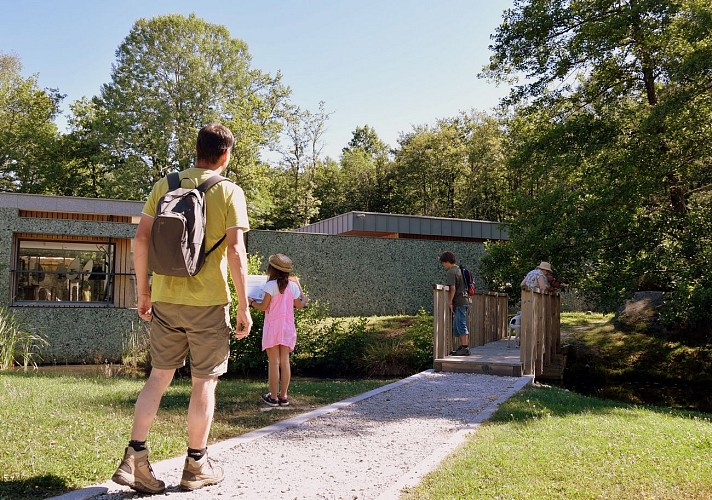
[[492, 349]]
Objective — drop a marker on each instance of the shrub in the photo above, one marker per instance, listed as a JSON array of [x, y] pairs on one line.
[[335, 347], [19, 346], [136, 348], [409, 353]]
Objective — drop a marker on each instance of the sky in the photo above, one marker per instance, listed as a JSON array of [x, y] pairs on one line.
[[389, 64]]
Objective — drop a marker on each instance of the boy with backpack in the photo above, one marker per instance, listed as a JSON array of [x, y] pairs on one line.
[[188, 305], [458, 296]]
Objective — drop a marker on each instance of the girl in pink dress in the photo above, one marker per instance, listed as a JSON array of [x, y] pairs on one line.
[[279, 333]]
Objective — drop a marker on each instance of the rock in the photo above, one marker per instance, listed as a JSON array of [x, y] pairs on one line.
[[641, 312]]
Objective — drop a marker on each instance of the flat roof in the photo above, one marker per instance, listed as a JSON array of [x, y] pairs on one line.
[[404, 226], [72, 204]]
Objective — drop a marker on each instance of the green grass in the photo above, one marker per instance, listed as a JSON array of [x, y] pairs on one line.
[[604, 351], [550, 443], [59, 433]]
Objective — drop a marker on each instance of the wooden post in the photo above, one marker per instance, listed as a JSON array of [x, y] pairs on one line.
[[441, 312], [540, 339], [526, 339], [503, 316]]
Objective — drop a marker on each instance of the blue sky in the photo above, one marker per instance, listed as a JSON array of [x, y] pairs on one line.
[[391, 64]]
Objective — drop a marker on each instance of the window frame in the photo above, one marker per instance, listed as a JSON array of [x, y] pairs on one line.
[[71, 248]]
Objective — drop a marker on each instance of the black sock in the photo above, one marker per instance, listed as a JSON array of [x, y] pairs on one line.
[[197, 454], [137, 445]]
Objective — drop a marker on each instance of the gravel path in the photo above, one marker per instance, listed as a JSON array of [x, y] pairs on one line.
[[366, 447]]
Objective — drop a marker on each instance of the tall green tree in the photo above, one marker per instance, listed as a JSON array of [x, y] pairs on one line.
[[367, 171], [172, 75], [28, 134], [429, 165], [300, 150], [609, 140]]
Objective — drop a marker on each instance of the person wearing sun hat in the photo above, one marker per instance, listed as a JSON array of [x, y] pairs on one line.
[[539, 278], [283, 293]]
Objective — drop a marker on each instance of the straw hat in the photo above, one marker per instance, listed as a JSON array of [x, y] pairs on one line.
[[281, 262], [544, 266]]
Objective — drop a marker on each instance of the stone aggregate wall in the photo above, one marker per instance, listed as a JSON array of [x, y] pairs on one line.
[[80, 335], [362, 276]]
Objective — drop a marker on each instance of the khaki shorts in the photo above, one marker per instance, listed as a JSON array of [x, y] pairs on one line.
[[204, 331]]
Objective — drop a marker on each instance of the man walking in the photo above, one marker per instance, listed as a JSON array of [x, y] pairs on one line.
[[190, 315], [459, 304]]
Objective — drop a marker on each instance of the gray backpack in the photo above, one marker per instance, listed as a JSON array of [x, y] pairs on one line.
[[177, 245]]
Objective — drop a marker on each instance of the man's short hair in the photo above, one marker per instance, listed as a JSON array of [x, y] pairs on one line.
[[213, 140], [447, 257]]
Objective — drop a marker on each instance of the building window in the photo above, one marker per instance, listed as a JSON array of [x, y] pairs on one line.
[[64, 272]]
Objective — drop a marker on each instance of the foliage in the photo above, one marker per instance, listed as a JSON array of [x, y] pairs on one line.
[[136, 348], [550, 443], [608, 133], [452, 169], [74, 428], [325, 346], [300, 152], [404, 354], [601, 351], [173, 75], [335, 347], [28, 135], [19, 345]]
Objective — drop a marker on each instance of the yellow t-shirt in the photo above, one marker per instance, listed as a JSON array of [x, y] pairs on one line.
[[225, 209]]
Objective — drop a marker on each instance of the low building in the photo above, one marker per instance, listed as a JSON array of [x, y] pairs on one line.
[[67, 272], [66, 266]]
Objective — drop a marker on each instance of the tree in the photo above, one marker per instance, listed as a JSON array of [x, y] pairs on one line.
[[367, 172], [28, 135], [300, 151], [609, 140], [172, 76], [430, 165]]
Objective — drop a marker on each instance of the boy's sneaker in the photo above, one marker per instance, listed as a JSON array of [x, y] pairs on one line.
[[267, 398], [199, 473], [462, 351], [136, 473], [283, 401]]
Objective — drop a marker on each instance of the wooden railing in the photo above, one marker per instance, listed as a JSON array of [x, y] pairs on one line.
[[540, 341], [486, 320]]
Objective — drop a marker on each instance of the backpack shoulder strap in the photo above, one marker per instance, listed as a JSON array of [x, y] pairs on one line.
[[210, 182], [204, 186], [173, 181]]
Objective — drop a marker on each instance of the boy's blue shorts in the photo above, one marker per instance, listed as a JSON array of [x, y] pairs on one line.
[[459, 321]]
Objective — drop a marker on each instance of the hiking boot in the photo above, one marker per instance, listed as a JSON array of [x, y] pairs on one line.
[[199, 473], [267, 398], [136, 473]]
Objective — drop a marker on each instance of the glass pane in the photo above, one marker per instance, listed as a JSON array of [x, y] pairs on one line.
[[63, 271]]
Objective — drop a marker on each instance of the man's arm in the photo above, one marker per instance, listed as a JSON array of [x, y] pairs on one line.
[[140, 257], [237, 264], [543, 283]]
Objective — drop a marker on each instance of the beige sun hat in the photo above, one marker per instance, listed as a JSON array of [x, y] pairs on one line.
[[544, 266], [281, 262]]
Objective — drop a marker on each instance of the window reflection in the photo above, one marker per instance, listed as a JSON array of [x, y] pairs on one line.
[[64, 271]]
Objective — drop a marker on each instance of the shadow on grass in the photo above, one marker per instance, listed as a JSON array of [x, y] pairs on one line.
[[34, 487], [544, 401]]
